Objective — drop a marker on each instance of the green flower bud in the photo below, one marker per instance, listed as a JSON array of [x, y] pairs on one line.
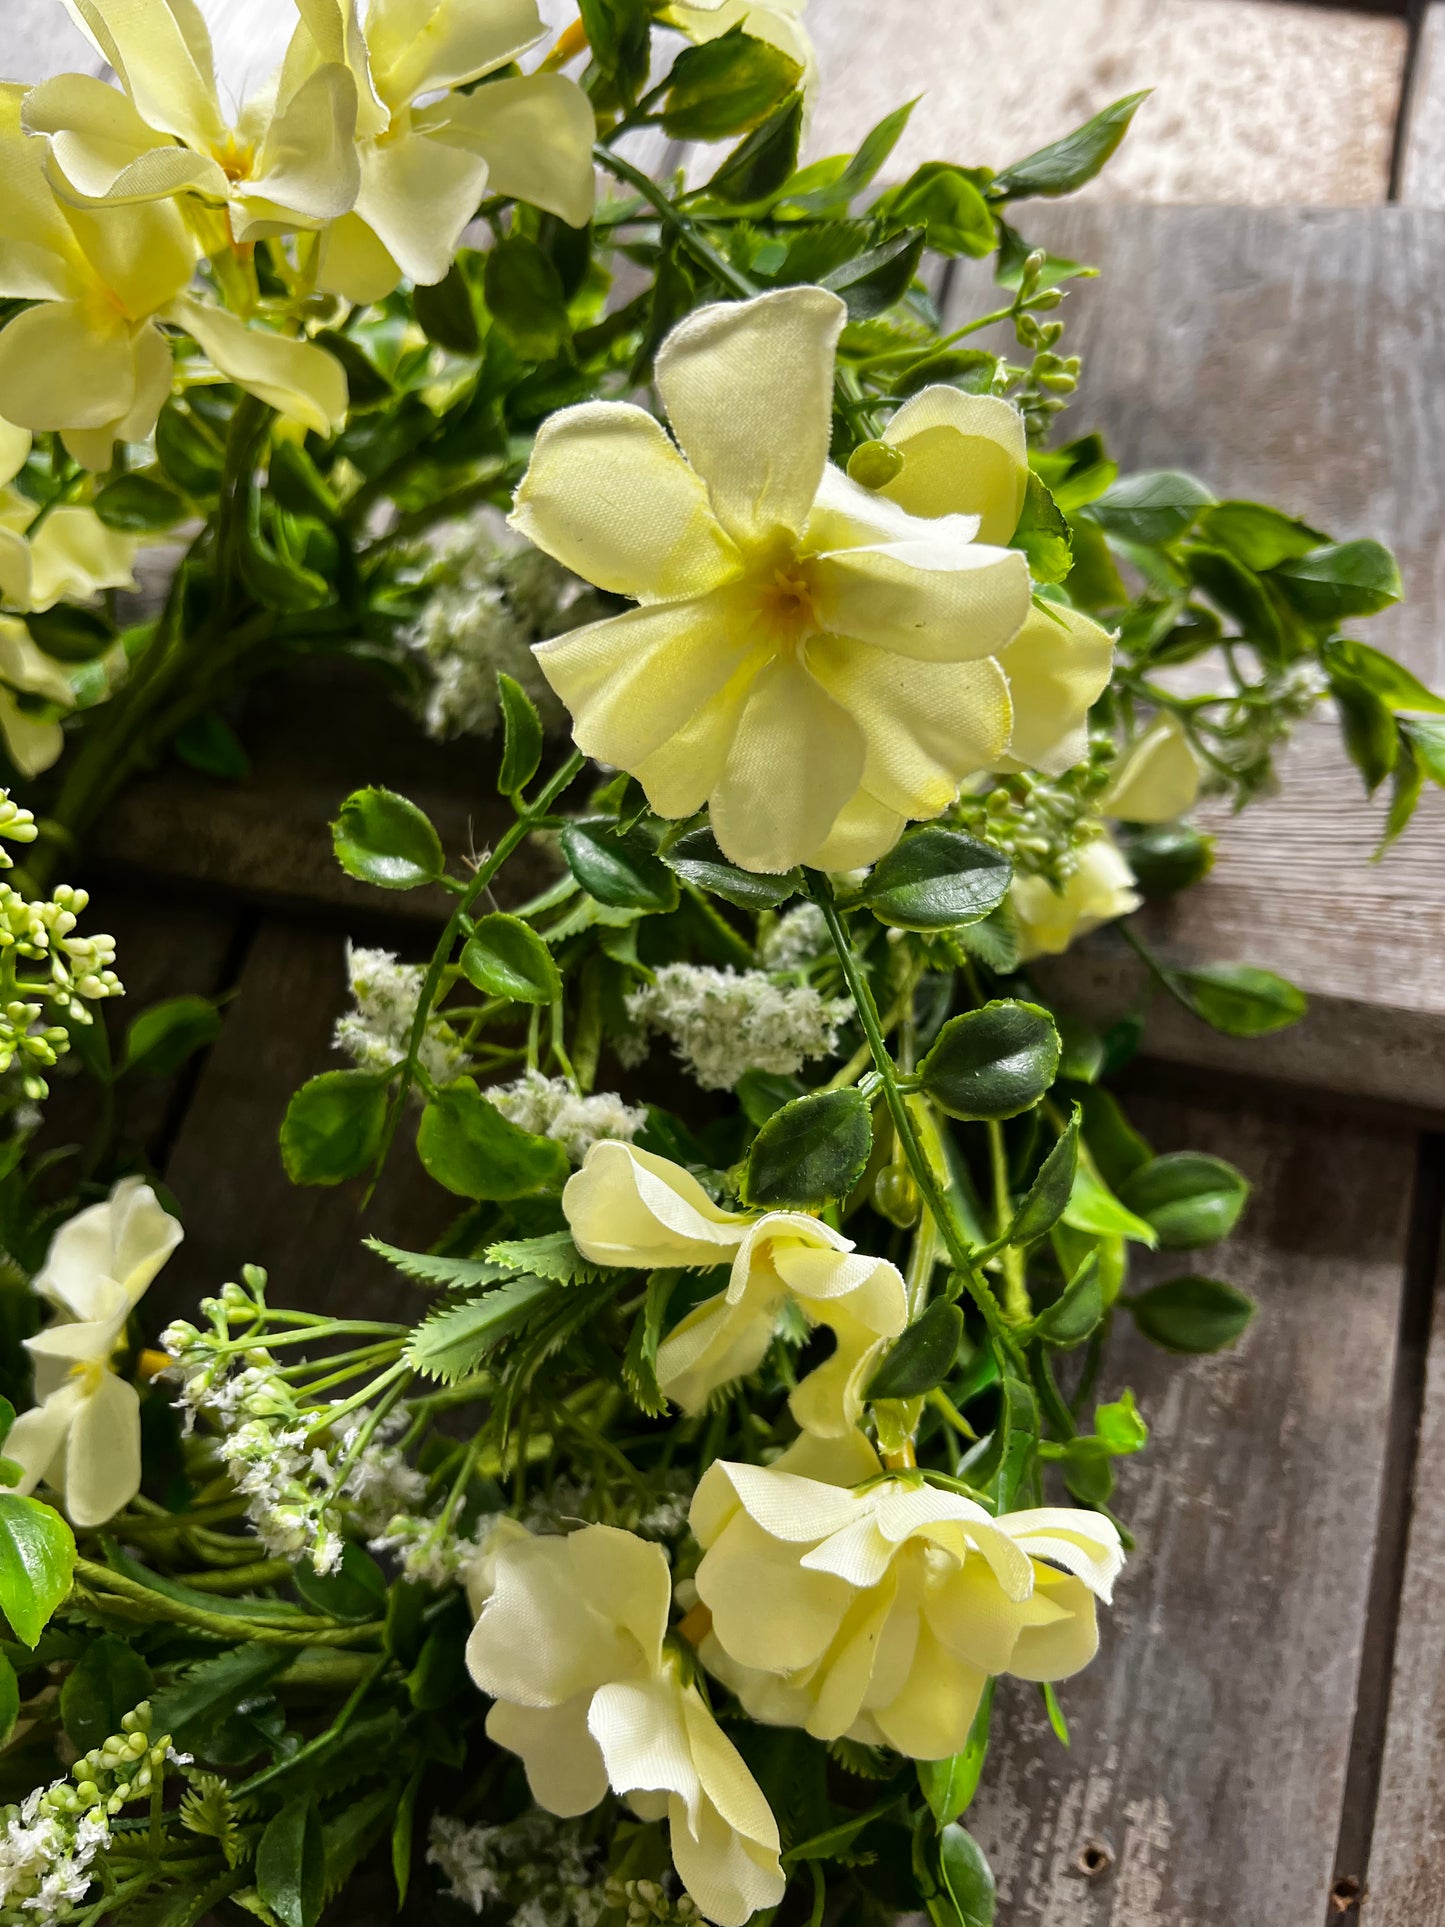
[[875, 464]]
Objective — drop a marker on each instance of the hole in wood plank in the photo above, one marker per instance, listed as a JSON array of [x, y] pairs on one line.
[[1347, 1893], [1093, 1860]]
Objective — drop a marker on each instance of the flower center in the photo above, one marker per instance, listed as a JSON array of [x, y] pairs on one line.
[[235, 158], [91, 1373], [785, 606]]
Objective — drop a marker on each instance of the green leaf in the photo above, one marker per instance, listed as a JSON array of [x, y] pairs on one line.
[[402, 1829], [1092, 1207], [994, 941], [835, 195], [922, 1356], [1150, 509], [936, 879], [466, 1144], [1238, 999], [1368, 727], [757, 169], [1119, 1427], [1344, 579], [1391, 681], [1067, 164], [527, 300], [996, 1062], [504, 957], [188, 452], [452, 1343], [354, 1593], [553, 1256], [333, 1127], [639, 1364], [875, 281], [205, 1695], [967, 1877], [291, 1865], [1070, 1319], [9, 1700], [697, 859], [1048, 1195], [1192, 1315], [431, 1268], [109, 1680], [521, 737], [943, 201], [163, 1037], [815, 1148], [445, 313], [1167, 857], [621, 871], [70, 634], [208, 743], [617, 32], [949, 1785], [1427, 739], [383, 839], [1043, 534], [1190, 1198], [37, 1558], [299, 485], [724, 87], [139, 505], [1261, 537]]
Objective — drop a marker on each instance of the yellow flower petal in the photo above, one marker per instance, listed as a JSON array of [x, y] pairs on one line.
[[102, 1459], [1158, 779], [563, 1763], [631, 1207], [293, 377], [748, 388], [962, 455], [57, 371], [796, 759], [75, 556], [682, 774], [355, 263], [941, 601], [37, 1439], [14, 450], [33, 743], [1057, 666], [1101, 888], [633, 681], [40, 260], [931, 1717], [417, 46], [928, 724], [536, 135], [863, 831], [307, 170], [161, 52], [417, 194], [102, 150], [609, 496], [1063, 1646], [141, 256]]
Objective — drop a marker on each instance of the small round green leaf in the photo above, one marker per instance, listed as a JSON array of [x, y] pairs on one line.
[[1341, 580], [37, 1558], [815, 1148], [697, 859], [1189, 1197], [109, 1680], [1192, 1315], [139, 505], [504, 957], [922, 1357], [621, 871], [521, 737], [333, 1127], [1167, 857], [383, 839], [1150, 509], [1240, 1000], [470, 1148], [937, 879], [163, 1037], [992, 1063]]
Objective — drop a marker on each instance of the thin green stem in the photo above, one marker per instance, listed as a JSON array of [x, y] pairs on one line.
[[1016, 1303], [687, 231], [313, 1747]]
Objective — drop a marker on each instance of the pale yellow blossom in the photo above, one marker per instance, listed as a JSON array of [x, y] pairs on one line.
[[881, 1613], [812, 661], [1100, 889], [630, 1207], [32, 734], [1158, 778], [72, 556], [569, 1644], [83, 1437]]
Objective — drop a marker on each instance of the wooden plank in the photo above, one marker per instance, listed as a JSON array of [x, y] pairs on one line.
[[1405, 1882], [1211, 1737], [1256, 102], [1422, 149], [226, 1169]]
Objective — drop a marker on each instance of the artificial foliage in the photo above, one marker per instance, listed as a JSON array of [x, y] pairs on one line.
[[753, 1409]]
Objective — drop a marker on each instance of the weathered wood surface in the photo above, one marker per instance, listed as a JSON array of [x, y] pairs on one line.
[[1422, 146], [1211, 1740]]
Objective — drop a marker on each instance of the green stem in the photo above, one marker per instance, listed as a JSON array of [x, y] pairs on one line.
[[312, 1747], [696, 243], [131, 1600], [1016, 1304]]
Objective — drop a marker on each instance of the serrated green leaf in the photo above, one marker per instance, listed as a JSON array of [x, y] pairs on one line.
[[1071, 1318], [1048, 1196], [430, 1268], [291, 1865], [1189, 1197], [333, 1127], [922, 1357], [1093, 1207], [109, 1681], [466, 1144], [1238, 999], [622, 872], [697, 859], [553, 1256], [452, 1343], [639, 1364], [1151, 509]]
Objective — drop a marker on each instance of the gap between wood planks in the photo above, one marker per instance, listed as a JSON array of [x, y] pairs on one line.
[[1414, 11], [1424, 1250]]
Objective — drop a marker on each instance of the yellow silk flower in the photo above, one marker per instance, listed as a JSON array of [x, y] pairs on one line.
[[881, 1613], [83, 1438], [1158, 778], [629, 1207], [73, 555], [1100, 889], [570, 1646], [807, 657], [288, 161], [426, 162], [32, 735]]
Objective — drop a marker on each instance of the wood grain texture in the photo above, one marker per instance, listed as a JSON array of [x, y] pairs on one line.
[[1422, 150], [1210, 1739]]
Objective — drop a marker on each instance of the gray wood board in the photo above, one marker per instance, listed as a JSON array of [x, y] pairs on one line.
[[1211, 1737]]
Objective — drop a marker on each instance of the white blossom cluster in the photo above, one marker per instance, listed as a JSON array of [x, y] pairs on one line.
[[537, 1869], [285, 1460], [724, 1023], [49, 1843], [429, 1552], [375, 1034], [67, 975], [549, 1107], [798, 938], [486, 605]]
